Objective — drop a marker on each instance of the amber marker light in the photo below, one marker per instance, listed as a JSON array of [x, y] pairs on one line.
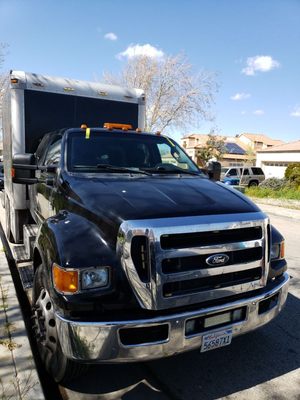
[[282, 250], [65, 281], [14, 80], [112, 125], [83, 126]]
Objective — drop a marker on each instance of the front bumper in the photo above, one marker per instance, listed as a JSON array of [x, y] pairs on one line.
[[96, 342]]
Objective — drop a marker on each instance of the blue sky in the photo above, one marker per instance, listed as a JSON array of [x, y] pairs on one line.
[[253, 46]]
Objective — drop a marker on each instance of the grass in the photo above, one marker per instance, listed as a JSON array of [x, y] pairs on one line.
[[284, 193]]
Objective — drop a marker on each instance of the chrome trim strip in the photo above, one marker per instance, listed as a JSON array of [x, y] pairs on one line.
[[98, 342], [217, 248], [206, 272]]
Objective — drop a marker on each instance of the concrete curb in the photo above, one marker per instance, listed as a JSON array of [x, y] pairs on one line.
[[18, 375]]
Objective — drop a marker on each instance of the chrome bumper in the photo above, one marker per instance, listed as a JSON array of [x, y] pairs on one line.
[[97, 342]]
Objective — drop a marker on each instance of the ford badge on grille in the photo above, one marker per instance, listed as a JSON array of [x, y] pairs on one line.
[[217, 260]]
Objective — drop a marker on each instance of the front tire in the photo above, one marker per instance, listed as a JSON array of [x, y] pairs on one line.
[[44, 325]]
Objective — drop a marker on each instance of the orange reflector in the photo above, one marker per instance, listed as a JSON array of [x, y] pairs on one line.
[[13, 172], [65, 281], [282, 250], [14, 80], [138, 130], [83, 126], [112, 125]]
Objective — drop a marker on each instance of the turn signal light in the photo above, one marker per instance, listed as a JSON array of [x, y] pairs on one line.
[[14, 80], [65, 281], [83, 126], [282, 250]]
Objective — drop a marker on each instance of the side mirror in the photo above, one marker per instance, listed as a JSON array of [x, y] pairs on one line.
[[23, 169], [213, 169]]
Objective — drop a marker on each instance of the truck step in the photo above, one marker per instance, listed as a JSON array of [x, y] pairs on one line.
[[26, 275], [29, 234], [19, 253]]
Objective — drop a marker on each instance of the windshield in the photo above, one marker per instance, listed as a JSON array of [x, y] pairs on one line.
[[125, 152]]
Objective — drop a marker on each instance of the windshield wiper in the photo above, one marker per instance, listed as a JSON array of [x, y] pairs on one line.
[[121, 169]]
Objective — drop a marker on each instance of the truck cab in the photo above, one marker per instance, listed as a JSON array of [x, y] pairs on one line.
[[138, 254]]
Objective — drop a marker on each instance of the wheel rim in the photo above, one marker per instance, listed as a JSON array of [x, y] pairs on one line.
[[44, 324]]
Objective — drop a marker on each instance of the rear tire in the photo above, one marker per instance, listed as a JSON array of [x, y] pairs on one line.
[[253, 183], [56, 363]]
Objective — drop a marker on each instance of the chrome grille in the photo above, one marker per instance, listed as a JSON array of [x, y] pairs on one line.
[[177, 249]]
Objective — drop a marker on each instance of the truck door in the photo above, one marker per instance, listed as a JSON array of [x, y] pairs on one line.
[[41, 193]]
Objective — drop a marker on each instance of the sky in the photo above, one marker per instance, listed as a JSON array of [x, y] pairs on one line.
[[253, 46]]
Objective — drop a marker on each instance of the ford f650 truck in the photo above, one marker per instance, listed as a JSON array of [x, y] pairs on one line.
[[136, 254]]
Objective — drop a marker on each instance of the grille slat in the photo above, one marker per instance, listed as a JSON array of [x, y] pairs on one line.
[[207, 272], [181, 264], [220, 248], [211, 282], [210, 238]]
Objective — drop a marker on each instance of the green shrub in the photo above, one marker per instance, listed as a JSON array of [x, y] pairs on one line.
[[292, 174], [273, 183]]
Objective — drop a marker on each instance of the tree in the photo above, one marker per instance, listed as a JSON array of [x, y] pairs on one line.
[[3, 46], [175, 97], [250, 155], [214, 148]]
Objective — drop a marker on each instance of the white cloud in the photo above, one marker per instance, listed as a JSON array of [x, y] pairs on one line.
[[240, 96], [295, 112], [258, 112], [259, 64], [243, 112], [110, 36], [141, 50]]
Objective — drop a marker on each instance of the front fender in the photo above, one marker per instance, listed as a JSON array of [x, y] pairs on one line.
[[72, 241]]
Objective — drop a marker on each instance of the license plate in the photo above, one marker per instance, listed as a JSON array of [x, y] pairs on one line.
[[215, 340]]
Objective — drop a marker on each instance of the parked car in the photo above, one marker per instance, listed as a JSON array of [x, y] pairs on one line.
[[231, 181], [248, 176]]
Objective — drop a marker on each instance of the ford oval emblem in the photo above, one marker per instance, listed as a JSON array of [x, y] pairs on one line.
[[217, 260]]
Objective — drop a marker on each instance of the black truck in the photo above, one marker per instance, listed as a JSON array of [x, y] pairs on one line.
[[137, 254]]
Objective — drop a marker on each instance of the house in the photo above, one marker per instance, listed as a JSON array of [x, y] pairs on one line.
[[258, 141], [274, 160], [241, 149]]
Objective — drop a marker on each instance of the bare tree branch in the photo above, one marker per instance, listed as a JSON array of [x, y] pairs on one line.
[[175, 96]]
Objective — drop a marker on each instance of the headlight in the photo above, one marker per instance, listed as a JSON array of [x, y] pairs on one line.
[[94, 278], [277, 251]]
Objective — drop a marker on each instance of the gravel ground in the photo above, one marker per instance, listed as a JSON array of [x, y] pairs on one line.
[[286, 203]]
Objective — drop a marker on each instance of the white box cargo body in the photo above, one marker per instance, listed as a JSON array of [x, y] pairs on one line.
[[34, 105]]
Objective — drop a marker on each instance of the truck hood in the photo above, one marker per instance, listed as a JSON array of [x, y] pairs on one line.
[[117, 198]]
